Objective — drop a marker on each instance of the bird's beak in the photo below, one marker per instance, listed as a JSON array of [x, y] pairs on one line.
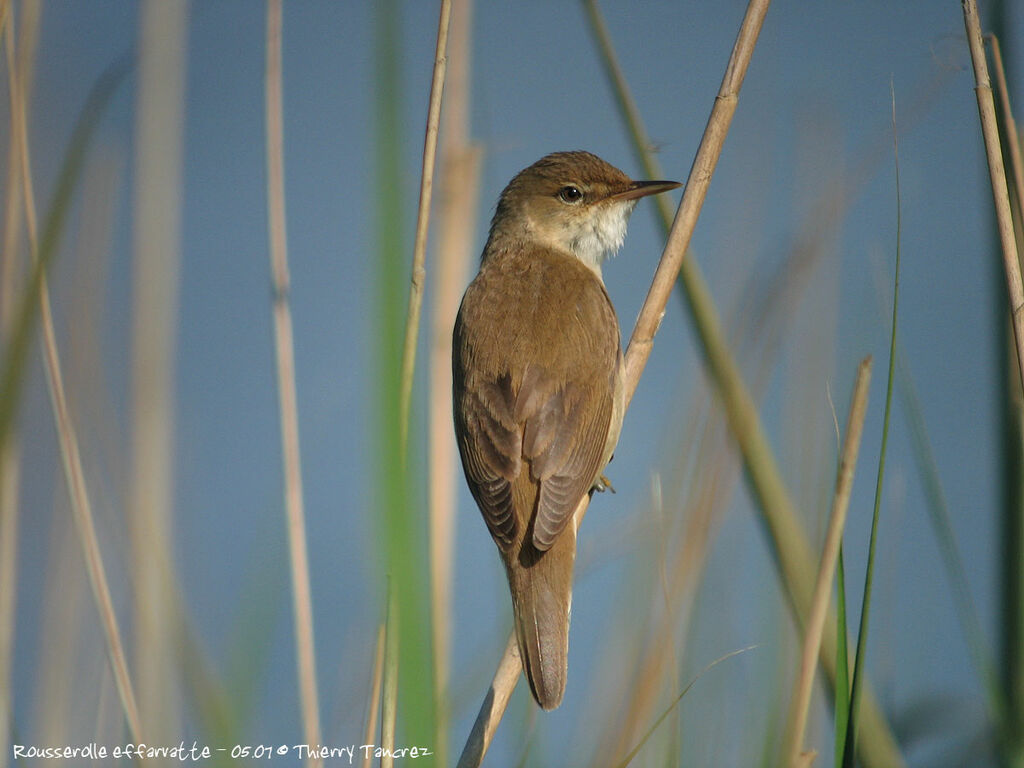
[[640, 189]]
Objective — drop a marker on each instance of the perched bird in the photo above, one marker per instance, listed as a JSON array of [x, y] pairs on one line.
[[537, 384]]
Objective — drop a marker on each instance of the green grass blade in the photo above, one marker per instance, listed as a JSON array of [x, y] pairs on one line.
[[401, 530], [849, 749]]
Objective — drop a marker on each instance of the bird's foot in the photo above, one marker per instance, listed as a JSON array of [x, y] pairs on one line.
[[603, 484]]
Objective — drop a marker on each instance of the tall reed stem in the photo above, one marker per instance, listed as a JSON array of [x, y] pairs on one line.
[[287, 399], [997, 177]]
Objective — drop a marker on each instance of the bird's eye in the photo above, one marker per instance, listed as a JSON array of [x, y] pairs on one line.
[[570, 194]]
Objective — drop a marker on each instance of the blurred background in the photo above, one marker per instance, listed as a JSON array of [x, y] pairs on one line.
[[162, 302]]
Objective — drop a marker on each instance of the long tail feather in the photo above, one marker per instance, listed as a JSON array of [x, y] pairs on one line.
[[541, 585]]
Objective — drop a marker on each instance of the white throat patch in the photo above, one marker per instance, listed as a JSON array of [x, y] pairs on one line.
[[601, 234]]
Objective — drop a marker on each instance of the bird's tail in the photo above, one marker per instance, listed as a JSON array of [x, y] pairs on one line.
[[541, 585]]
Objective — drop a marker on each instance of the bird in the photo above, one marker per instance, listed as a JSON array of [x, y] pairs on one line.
[[537, 371]]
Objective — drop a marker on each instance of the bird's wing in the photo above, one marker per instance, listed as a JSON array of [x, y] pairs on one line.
[[511, 408], [563, 438], [490, 443]]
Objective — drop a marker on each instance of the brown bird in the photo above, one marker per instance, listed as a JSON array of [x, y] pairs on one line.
[[538, 397]]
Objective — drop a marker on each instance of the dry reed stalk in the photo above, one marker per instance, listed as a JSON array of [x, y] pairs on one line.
[[711, 481], [792, 550], [1009, 126], [493, 708], [801, 698], [67, 599], [20, 77], [653, 309], [373, 705], [997, 177], [156, 245], [694, 193], [284, 349], [419, 272], [389, 708], [460, 172], [67, 437], [1011, 703], [19, 66]]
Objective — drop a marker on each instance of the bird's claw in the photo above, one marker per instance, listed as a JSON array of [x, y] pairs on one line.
[[603, 484]]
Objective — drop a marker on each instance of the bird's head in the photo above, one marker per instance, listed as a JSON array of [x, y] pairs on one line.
[[572, 201]]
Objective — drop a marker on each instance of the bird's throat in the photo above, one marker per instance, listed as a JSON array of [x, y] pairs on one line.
[[599, 233]]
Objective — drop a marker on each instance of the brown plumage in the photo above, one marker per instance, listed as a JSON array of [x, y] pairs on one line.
[[537, 366]]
